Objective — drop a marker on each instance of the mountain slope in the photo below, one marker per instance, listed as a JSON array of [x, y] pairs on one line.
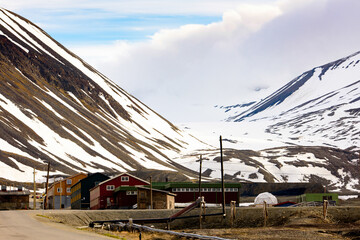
[[306, 131], [320, 106], [56, 108]]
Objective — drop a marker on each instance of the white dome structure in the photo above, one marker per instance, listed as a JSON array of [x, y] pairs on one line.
[[265, 197]]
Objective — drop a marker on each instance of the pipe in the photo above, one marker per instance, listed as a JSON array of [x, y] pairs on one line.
[[188, 208], [153, 220]]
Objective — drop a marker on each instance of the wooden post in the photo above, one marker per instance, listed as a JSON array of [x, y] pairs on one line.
[[200, 176], [233, 212], [325, 207], [47, 186], [151, 200], [202, 211], [34, 191], [222, 178], [266, 214]]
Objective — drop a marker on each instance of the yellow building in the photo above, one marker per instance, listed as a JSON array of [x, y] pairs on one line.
[[59, 193]]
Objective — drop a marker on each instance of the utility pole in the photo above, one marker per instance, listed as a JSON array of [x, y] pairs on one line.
[[60, 193], [222, 178], [34, 191], [47, 186], [200, 176], [151, 201]]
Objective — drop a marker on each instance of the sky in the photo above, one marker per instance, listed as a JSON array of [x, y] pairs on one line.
[[182, 58]]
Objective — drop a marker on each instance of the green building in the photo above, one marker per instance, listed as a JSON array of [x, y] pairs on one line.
[[317, 197]]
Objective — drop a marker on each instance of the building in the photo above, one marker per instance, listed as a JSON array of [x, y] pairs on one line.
[[102, 196], [125, 197], [14, 199], [318, 197], [189, 192], [80, 191], [59, 193], [160, 199]]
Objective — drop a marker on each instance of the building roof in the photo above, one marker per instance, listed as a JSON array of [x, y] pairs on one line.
[[157, 190], [64, 179], [14, 193], [121, 174], [134, 188], [89, 176], [125, 188], [167, 185]]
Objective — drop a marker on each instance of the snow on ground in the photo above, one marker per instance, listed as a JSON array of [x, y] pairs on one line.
[[237, 135]]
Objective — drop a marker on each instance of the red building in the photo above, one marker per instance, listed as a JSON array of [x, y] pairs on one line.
[[125, 197], [102, 196], [188, 192]]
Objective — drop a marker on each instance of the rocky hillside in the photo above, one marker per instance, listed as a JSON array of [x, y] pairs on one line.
[[56, 108], [319, 107]]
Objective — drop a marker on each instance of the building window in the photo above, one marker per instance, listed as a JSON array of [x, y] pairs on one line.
[[131, 192], [124, 178], [110, 187], [59, 189], [68, 181], [68, 190]]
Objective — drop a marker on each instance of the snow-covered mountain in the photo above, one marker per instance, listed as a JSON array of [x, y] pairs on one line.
[[320, 109], [56, 108]]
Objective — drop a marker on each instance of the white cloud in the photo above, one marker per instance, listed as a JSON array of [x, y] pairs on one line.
[[183, 72], [184, 68]]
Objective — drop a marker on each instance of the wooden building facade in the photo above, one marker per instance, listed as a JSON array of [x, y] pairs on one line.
[[102, 196], [80, 192], [59, 193], [11, 200], [160, 199], [212, 192]]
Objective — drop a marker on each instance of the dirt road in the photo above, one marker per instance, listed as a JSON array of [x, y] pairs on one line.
[[25, 225]]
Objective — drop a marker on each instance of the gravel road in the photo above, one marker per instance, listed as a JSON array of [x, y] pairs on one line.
[[25, 225]]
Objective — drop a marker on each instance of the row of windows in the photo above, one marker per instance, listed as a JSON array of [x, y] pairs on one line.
[[124, 178], [76, 198], [131, 192], [75, 188], [59, 190], [204, 189], [110, 187]]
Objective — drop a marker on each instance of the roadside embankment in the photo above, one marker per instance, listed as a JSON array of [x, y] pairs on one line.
[[245, 217]]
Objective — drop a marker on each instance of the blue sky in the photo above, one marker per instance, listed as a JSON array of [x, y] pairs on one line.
[[111, 27], [183, 57]]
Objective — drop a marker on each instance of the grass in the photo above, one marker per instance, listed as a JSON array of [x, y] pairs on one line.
[[44, 216]]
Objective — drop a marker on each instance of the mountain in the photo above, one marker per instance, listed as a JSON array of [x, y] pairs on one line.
[[321, 107], [308, 130], [56, 108]]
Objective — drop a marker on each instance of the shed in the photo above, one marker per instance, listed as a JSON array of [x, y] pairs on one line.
[[125, 196], [318, 197], [265, 197], [160, 199], [14, 199]]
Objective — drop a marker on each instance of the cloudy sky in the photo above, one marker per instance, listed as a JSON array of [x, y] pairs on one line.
[[182, 57]]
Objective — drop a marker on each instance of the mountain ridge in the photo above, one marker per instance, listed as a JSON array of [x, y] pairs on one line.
[[56, 108]]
